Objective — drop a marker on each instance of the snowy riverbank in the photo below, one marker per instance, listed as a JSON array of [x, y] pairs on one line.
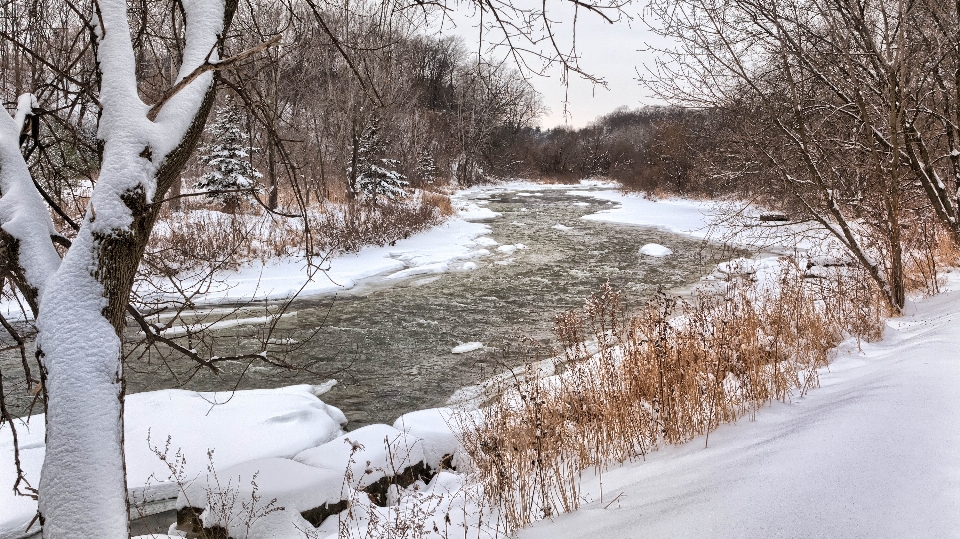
[[291, 416], [871, 453]]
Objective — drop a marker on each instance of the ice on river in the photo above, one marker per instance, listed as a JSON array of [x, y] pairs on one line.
[[655, 249], [466, 347]]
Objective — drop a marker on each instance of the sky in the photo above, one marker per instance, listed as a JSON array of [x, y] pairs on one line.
[[613, 52]]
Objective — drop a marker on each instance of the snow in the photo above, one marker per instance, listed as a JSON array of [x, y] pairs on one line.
[[23, 213], [428, 252], [676, 215], [871, 453], [466, 347], [654, 249], [510, 249], [436, 428], [370, 452], [468, 266], [277, 483], [426, 269], [239, 426], [486, 241], [563, 228], [474, 213]]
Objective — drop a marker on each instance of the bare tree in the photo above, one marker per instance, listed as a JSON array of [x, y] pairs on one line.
[[850, 105]]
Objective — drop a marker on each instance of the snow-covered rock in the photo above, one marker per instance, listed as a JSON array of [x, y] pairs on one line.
[[262, 498], [473, 213], [376, 456], [436, 428], [655, 249], [738, 266]]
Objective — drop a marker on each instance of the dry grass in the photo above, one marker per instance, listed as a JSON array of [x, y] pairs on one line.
[[674, 371], [199, 237]]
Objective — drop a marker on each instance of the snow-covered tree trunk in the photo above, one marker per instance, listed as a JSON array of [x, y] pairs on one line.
[[80, 302]]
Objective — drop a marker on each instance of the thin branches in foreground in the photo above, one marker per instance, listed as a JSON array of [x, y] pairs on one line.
[[625, 386]]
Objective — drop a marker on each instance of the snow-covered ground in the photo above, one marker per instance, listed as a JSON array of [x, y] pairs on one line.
[[873, 453], [870, 454], [238, 427]]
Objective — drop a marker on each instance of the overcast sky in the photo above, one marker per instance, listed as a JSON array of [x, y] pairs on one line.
[[613, 52]]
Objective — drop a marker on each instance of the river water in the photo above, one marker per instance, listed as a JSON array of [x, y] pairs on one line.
[[389, 347]]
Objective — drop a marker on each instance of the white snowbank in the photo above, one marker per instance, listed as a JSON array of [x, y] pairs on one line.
[[431, 251], [681, 216], [871, 453], [284, 489], [466, 347], [239, 426], [370, 452], [654, 249], [436, 427]]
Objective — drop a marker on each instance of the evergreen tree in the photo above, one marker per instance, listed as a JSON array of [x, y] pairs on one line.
[[376, 175], [228, 155], [427, 168]]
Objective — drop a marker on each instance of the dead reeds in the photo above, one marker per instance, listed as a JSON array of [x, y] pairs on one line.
[[624, 386]]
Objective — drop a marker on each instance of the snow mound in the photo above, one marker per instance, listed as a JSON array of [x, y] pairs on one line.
[[295, 487], [486, 241], [474, 213], [239, 426], [510, 249], [655, 249], [466, 347], [371, 453], [558, 226], [436, 427], [468, 266]]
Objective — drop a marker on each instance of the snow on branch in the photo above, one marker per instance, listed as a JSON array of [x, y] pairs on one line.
[[23, 214]]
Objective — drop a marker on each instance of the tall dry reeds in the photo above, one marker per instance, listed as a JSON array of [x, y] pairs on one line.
[[677, 369]]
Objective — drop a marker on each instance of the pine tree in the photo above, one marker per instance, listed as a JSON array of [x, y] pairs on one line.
[[228, 155], [427, 168], [376, 175]]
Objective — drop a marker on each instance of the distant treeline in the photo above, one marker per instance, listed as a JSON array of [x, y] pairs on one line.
[[651, 149]]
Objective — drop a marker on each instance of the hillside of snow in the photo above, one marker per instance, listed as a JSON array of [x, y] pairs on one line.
[[873, 453]]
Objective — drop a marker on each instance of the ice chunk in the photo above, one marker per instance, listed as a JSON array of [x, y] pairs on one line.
[[466, 347], [486, 241], [655, 249]]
